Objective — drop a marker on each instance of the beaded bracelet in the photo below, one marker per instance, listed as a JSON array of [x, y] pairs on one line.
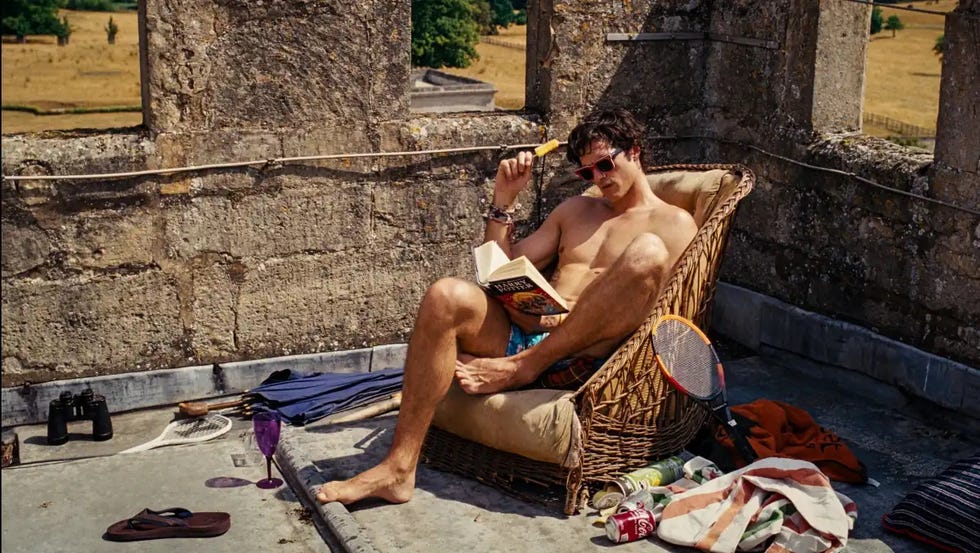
[[499, 215]]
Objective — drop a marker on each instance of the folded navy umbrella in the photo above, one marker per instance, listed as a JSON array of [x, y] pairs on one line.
[[301, 399]]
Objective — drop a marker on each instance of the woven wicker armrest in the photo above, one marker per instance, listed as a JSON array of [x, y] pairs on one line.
[[629, 412]]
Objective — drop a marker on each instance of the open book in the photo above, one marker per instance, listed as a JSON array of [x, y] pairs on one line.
[[516, 283]]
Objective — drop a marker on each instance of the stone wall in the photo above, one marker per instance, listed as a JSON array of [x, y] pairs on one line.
[[133, 274], [115, 275]]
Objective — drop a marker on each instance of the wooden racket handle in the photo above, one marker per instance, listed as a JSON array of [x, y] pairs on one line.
[[373, 410], [201, 408]]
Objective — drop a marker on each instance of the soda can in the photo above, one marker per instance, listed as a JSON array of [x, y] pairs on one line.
[[630, 526], [660, 473], [640, 499]]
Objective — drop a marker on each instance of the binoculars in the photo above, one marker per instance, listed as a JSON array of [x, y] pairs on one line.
[[85, 406]]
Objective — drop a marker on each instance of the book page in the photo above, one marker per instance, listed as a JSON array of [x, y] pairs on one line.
[[488, 258]]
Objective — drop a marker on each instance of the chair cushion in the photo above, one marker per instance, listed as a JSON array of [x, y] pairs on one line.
[[693, 191], [538, 424], [943, 511]]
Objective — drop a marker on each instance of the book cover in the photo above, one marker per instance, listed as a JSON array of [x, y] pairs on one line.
[[516, 283]]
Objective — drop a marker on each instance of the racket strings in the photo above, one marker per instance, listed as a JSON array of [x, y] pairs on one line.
[[196, 428], [687, 357]]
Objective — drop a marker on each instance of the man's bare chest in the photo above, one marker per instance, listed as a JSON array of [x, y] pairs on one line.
[[598, 246]]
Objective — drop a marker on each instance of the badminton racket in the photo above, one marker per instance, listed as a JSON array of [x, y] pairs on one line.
[[187, 431], [688, 360]]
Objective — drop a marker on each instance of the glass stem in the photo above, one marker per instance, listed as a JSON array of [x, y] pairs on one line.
[[268, 467]]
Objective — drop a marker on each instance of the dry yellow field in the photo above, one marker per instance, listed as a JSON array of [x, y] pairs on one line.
[[902, 73], [502, 66], [86, 72]]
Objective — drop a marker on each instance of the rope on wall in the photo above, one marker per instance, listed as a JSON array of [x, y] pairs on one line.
[[850, 174], [274, 162], [908, 8]]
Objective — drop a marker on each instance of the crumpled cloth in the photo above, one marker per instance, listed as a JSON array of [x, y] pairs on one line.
[[778, 429], [774, 505]]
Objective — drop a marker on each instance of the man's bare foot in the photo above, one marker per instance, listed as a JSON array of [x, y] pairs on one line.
[[487, 376], [381, 481]]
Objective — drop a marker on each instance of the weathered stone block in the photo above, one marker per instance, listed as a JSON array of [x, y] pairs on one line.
[[83, 326], [107, 239], [179, 149], [308, 301], [24, 248], [328, 216], [214, 309], [957, 170], [79, 153], [319, 65], [838, 80]]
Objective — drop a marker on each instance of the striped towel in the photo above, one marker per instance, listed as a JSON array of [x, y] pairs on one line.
[[787, 501]]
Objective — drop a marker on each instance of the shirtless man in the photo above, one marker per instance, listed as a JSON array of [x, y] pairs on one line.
[[613, 254]]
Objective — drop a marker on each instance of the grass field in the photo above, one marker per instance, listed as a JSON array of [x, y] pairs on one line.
[[87, 72], [902, 72]]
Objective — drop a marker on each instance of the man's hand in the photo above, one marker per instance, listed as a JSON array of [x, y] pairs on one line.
[[512, 176]]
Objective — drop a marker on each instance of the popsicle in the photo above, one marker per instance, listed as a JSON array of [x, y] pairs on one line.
[[548, 146]]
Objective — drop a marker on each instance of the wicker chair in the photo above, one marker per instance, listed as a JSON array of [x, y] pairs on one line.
[[627, 414]]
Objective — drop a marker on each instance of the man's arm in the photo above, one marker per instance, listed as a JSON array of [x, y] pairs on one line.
[[677, 234], [541, 247], [513, 175]]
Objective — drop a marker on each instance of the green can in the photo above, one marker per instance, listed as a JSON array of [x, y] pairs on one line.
[[663, 472]]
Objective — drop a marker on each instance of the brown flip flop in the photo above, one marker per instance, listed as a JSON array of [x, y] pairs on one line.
[[175, 522]]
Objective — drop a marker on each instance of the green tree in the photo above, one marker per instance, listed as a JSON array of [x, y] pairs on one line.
[[111, 30], [64, 31], [444, 33], [876, 20], [939, 48], [894, 23], [483, 17], [30, 17], [503, 13]]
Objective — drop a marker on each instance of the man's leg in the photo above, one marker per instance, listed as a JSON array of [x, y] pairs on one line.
[[610, 308], [455, 315]]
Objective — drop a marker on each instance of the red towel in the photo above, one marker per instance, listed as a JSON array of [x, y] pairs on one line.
[[777, 429]]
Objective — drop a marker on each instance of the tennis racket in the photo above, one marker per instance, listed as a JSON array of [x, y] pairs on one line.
[[187, 431], [689, 362]]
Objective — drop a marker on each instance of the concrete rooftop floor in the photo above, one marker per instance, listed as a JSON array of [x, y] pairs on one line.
[[52, 502]]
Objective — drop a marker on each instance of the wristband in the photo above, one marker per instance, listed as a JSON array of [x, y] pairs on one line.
[[499, 215]]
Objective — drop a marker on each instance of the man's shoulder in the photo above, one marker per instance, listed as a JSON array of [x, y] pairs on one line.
[[581, 202], [675, 213]]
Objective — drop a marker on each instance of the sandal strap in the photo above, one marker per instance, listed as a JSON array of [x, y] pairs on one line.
[[151, 518], [178, 512]]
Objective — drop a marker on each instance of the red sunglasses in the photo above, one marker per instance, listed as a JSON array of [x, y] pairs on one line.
[[603, 165]]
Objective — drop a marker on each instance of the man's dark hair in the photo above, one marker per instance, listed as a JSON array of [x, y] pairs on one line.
[[618, 127]]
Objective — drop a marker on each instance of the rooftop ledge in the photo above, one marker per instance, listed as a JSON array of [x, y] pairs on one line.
[[885, 370]]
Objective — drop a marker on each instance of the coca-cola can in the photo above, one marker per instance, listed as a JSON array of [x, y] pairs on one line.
[[630, 526]]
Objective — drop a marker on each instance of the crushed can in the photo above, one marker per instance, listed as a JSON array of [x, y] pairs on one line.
[[640, 499], [630, 526], [11, 448]]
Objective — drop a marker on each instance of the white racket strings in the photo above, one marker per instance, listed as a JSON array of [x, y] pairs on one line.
[[687, 357]]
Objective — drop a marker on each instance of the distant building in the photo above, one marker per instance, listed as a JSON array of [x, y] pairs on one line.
[[437, 92]]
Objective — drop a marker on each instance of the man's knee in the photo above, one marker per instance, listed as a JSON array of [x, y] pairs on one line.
[[646, 256], [447, 296]]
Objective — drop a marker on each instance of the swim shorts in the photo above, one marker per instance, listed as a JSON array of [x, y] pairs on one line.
[[569, 373]]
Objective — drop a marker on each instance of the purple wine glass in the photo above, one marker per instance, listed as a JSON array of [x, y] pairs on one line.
[[267, 425]]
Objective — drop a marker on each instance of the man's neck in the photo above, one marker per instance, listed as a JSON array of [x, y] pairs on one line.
[[639, 196]]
